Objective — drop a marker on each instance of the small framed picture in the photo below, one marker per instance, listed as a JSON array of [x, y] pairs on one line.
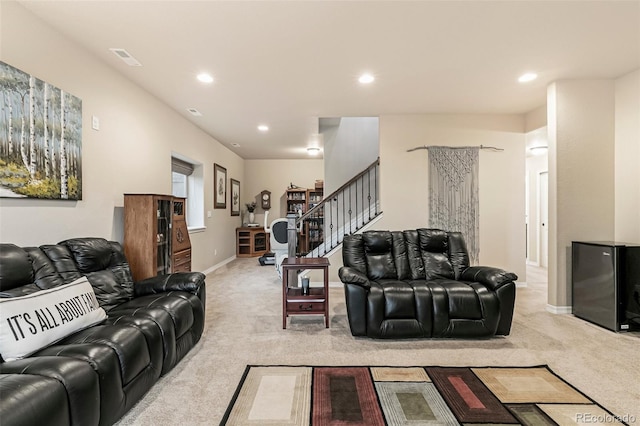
[[235, 197], [219, 187]]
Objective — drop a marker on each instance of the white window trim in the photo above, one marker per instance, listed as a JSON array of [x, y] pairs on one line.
[[195, 202]]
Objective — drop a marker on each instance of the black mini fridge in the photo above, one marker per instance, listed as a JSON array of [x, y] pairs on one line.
[[605, 282]]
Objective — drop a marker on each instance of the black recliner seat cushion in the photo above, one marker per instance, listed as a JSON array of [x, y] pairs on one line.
[[79, 406], [173, 314], [120, 357], [29, 399]]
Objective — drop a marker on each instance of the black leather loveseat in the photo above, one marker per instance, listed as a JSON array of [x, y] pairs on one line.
[[418, 283], [94, 375]]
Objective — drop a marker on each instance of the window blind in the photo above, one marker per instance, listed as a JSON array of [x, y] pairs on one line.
[[181, 166]]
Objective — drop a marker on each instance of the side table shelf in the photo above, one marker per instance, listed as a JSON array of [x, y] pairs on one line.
[[294, 302]]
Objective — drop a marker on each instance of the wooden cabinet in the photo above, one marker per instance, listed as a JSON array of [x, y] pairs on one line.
[[181, 248], [251, 242], [156, 239]]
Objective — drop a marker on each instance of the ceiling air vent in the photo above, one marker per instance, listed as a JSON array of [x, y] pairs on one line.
[[126, 57], [195, 112]]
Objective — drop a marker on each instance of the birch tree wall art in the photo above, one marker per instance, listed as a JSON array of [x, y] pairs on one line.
[[40, 138]]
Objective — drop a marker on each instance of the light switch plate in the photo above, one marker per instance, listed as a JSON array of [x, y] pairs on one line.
[[95, 122]]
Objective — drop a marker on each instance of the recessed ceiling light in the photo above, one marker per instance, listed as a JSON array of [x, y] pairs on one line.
[[195, 112], [538, 150], [366, 78], [313, 150], [525, 78], [235, 145], [205, 78], [263, 128]]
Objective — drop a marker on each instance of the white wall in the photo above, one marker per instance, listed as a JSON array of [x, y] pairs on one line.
[[404, 175], [627, 158], [130, 154], [349, 148]]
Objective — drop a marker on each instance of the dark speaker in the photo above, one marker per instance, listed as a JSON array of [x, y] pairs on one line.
[[632, 278]]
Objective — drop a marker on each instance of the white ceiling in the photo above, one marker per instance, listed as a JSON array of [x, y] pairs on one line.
[[288, 63]]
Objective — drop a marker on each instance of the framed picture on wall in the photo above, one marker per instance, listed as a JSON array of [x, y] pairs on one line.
[[41, 142], [219, 187], [235, 197]]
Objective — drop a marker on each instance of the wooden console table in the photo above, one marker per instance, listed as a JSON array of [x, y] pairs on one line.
[[314, 303], [251, 242]]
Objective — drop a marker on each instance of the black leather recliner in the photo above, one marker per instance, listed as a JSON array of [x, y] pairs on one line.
[[418, 283], [95, 375]]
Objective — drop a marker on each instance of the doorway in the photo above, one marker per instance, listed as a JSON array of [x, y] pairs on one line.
[[543, 218]]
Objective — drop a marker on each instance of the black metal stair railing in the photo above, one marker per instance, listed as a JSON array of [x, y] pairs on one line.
[[343, 212]]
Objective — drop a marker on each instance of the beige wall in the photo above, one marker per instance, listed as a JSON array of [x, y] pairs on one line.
[[403, 179], [627, 158], [129, 154], [276, 176], [535, 119]]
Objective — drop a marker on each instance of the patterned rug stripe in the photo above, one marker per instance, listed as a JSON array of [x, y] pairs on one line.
[[530, 414], [409, 396], [468, 398], [407, 404], [351, 390]]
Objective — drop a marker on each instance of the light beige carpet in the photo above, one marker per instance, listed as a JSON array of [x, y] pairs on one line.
[[244, 327]]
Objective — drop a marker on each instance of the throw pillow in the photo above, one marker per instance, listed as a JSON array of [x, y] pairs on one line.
[[32, 322]]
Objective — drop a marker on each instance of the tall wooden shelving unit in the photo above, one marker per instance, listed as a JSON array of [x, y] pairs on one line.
[[302, 199], [314, 226], [156, 239]]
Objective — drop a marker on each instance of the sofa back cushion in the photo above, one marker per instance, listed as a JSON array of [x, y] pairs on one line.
[[15, 267], [353, 253], [25, 270], [420, 254], [378, 249], [458, 254], [414, 254], [434, 250], [105, 266]]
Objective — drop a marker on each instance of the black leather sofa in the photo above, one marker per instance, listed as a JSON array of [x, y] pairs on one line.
[[418, 283], [93, 376]]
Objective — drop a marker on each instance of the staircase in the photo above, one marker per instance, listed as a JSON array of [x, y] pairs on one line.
[[345, 211]]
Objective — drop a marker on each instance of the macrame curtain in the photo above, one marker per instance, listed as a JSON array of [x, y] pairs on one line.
[[453, 193]]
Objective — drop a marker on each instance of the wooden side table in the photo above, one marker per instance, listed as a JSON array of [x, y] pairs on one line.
[[293, 301]]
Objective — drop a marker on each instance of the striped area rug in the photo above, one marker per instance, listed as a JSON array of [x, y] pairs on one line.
[[409, 396]]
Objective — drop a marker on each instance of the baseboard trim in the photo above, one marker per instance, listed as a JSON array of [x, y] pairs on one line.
[[559, 310], [218, 265], [521, 284]]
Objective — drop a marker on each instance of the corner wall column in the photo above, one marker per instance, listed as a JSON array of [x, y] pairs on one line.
[[581, 126]]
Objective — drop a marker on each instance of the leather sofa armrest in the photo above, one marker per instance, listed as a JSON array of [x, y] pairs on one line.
[[350, 275], [493, 278], [191, 282]]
